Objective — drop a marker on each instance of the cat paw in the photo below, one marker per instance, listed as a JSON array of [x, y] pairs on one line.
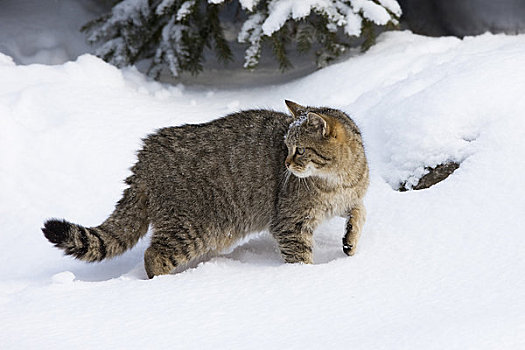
[[349, 248]]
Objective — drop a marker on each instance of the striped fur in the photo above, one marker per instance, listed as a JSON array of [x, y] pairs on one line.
[[203, 187], [121, 231]]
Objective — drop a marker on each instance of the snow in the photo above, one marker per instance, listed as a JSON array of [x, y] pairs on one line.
[[391, 5], [163, 6], [251, 32], [249, 4], [436, 268], [279, 11], [124, 13], [353, 23], [184, 10], [129, 10], [45, 31], [63, 277], [299, 121], [372, 11]]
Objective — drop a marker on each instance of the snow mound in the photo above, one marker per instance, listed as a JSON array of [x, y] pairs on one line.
[[45, 31], [63, 277]]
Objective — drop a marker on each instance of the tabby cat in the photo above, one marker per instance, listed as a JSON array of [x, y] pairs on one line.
[[203, 187]]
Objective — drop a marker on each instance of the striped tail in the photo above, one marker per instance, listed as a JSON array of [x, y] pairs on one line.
[[121, 231]]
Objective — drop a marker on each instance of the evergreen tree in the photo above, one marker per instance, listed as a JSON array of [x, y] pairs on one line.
[[173, 34]]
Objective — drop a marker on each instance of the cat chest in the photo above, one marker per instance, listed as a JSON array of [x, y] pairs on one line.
[[338, 203]]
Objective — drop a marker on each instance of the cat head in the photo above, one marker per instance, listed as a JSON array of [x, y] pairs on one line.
[[319, 141]]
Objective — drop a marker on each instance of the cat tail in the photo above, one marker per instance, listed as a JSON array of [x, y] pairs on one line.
[[121, 231]]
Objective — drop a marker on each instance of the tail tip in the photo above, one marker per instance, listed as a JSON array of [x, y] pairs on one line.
[[56, 231]]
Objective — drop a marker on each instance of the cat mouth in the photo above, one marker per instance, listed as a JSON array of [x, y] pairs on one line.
[[302, 173]]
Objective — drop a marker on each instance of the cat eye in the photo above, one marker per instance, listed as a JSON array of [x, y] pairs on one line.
[[299, 150]]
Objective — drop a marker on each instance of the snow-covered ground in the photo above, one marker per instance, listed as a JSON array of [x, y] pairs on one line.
[[437, 268], [45, 31]]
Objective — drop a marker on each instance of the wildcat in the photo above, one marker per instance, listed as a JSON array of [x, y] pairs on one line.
[[203, 187]]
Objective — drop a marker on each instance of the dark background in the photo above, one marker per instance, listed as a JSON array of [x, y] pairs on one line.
[[463, 17]]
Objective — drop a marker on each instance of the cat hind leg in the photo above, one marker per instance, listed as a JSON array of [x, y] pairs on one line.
[[171, 249], [157, 263]]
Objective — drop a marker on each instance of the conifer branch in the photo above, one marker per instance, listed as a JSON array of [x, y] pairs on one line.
[[173, 34]]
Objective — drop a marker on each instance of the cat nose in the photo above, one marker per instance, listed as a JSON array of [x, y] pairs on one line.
[[287, 163]]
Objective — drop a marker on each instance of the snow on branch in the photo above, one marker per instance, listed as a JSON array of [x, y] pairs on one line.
[[249, 4], [185, 10], [251, 32], [175, 33], [372, 11], [164, 6], [341, 13]]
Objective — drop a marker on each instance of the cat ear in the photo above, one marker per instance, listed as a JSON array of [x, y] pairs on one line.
[[295, 109], [317, 123]]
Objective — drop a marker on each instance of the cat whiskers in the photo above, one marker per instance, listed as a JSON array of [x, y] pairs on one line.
[[305, 182], [302, 180], [287, 174]]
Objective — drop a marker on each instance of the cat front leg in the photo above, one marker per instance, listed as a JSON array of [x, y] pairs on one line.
[[354, 225], [295, 240]]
